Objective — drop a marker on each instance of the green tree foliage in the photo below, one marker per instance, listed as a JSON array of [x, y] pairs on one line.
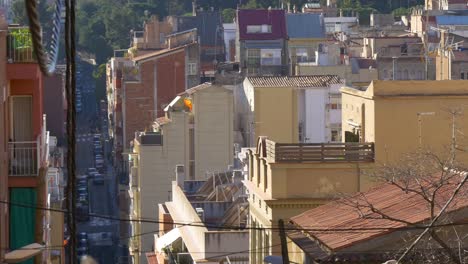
[[104, 25], [228, 15], [45, 13]]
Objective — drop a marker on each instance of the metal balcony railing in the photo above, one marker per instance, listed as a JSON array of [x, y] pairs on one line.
[[321, 152], [24, 158], [19, 45]]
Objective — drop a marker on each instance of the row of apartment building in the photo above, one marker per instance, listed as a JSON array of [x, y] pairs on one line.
[[184, 172], [31, 158], [298, 116]]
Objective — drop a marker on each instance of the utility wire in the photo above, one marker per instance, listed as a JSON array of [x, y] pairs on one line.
[[69, 127], [72, 136], [216, 226]]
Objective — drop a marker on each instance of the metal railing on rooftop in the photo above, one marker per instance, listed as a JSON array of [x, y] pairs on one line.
[[321, 152], [19, 45], [121, 53]]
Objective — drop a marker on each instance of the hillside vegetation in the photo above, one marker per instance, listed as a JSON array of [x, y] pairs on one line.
[[104, 25]]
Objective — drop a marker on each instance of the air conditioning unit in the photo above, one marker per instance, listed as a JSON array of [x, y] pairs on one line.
[[200, 213]]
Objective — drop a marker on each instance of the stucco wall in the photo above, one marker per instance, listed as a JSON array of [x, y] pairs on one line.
[[213, 114], [392, 122], [157, 171], [274, 108]]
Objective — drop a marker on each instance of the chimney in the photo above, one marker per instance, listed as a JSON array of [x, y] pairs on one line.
[[289, 7], [180, 175], [194, 8]]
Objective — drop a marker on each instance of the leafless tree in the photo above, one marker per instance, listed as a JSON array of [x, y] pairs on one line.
[[431, 178]]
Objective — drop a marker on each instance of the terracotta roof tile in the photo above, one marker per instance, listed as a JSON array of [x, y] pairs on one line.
[[196, 88], [387, 198], [158, 53], [162, 120], [151, 258], [460, 56], [295, 81]]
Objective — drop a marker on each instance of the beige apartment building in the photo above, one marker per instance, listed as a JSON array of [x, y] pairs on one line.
[[197, 132], [286, 179], [291, 109], [218, 207], [401, 116]]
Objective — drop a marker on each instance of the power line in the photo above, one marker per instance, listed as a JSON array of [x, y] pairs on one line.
[[216, 226]]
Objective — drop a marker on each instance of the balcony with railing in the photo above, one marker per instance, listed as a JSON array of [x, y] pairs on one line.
[[409, 50], [138, 39], [26, 157], [319, 152], [19, 45]]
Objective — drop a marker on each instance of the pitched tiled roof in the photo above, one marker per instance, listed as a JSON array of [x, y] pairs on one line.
[[162, 120], [151, 258], [305, 25], [275, 17], [387, 198], [452, 20], [460, 56], [196, 88], [295, 81], [159, 53]]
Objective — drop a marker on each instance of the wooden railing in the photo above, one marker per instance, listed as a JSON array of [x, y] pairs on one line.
[[321, 152]]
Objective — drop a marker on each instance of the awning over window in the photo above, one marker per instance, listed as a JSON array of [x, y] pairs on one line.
[[24, 253]]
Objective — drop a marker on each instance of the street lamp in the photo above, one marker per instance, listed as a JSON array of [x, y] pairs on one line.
[[420, 114]]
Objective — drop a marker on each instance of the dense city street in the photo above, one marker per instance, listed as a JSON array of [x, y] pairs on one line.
[[102, 233]]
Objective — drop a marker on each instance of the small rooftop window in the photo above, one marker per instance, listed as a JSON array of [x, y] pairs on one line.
[[254, 29]]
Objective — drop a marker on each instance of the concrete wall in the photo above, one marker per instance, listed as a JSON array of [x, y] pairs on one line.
[[392, 121], [406, 69], [227, 241], [214, 128], [343, 71], [55, 105], [157, 170], [182, 212], [316, 101], [201, 243], [447, 69], [27, 79], [154, 30], [229, 34]]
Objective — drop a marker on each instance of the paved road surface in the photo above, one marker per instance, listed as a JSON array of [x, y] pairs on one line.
[[102, 198]]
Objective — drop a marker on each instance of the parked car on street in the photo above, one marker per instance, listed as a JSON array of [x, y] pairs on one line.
[[99, 179]]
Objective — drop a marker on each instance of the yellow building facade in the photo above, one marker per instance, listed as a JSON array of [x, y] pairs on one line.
[[401, 116], [287, 179]]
